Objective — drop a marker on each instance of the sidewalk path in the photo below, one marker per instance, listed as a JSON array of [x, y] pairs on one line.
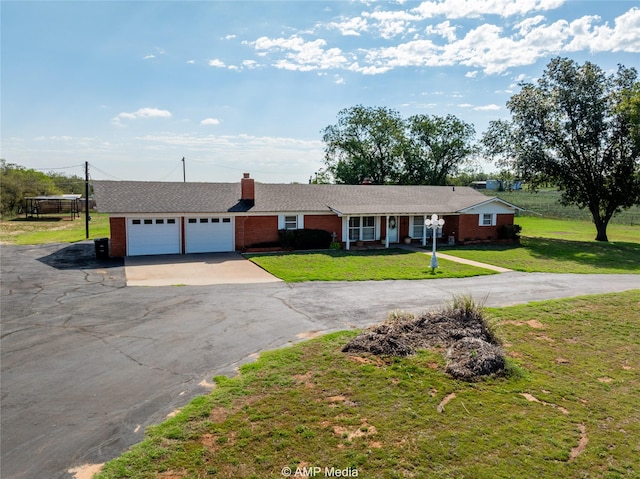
[[449, 257]]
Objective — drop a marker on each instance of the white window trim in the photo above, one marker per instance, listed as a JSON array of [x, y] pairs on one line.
[[361, 227], [481, 219], [429, 232], [299, 223]]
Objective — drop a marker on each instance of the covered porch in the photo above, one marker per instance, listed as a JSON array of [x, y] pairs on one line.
[[394, 228]]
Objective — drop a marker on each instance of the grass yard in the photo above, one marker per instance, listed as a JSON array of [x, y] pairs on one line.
[[53, 229], [379, 264], [545, 203], [575, 230], [561, 246], [568, 408]]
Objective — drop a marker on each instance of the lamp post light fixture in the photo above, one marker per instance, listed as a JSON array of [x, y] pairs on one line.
[[434, 223]]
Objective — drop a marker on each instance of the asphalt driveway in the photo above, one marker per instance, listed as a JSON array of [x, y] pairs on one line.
[[87, 362]]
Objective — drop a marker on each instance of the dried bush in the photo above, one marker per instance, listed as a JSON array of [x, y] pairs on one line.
[[474, 348], [469, 358]]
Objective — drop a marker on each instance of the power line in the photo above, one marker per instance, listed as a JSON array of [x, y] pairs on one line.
[[58, 168], [94, 167]]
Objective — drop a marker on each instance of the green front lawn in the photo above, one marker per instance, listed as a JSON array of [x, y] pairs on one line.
[[561, 246], [568, 408], [550, 255], [383, 264]]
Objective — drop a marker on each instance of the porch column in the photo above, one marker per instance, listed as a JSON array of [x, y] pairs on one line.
[[386, 229], [424, 231], [347, 229]]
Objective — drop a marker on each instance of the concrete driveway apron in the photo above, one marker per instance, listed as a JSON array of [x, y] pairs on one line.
[[194, 270], [88, 363]]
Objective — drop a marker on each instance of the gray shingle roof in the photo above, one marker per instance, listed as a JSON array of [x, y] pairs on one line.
[[165, 197]]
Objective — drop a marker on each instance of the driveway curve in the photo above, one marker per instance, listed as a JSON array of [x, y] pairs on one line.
[[88, 363]]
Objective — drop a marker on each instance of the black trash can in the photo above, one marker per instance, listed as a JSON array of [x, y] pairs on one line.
[[102, 248]]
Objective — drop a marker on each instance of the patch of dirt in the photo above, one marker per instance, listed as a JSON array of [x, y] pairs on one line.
[[86, 471], [582, 443], [605, 379], [220, 414], [342, 399], [305, 379], [376, 361], [473, 348], [171, 475], [444, 402], [350, 434], [309, 334], [532, 323], [532, 398]]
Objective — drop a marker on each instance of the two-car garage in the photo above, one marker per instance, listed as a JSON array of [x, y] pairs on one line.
[[149, 236]]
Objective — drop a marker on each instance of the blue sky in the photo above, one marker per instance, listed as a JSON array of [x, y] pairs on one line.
[[247, 86]]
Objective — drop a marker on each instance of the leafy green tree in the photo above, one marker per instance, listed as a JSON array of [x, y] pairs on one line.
[[18, 182], [436, 148], [67, 184], [376, 143], [572, 128], [366, 143]]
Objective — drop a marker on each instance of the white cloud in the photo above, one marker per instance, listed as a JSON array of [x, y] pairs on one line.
[[250, 64], [465, 105], [351, 27], [624, 36], [191, 62], [392, 23], [141, 113], [210, 121], [229, 37], [454, 9], [491, 107], [491, 48], [302, 55], [443, 29], [149, 57], [216, 63]]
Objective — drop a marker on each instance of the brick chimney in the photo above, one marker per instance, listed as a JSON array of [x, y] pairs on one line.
[[248, 190]]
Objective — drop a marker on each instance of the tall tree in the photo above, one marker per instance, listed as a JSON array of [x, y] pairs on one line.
[[437, 147], [571, 128], [366, 143]]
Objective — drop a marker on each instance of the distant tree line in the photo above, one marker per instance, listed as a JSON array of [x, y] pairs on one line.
[[18, 182]]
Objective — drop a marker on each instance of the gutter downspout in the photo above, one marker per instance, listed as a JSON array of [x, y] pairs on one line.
[[424, 231], [347, 225], [386, 239]]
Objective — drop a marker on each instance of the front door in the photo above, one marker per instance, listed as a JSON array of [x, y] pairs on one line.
[[392, 228]]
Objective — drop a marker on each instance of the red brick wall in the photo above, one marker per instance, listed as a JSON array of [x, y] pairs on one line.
[[451, 227], [470, 230], [255, 229], [329, 223], [505, 219], [118, 243]]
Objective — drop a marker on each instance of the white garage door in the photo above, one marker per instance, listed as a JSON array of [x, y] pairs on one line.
[[209, 234], [153, 236]]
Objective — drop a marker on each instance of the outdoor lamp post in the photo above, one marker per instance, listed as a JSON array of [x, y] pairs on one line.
[[434, 223]]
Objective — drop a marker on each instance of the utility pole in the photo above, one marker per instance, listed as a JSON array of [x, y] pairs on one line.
[[184, 173], [86, 198]]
